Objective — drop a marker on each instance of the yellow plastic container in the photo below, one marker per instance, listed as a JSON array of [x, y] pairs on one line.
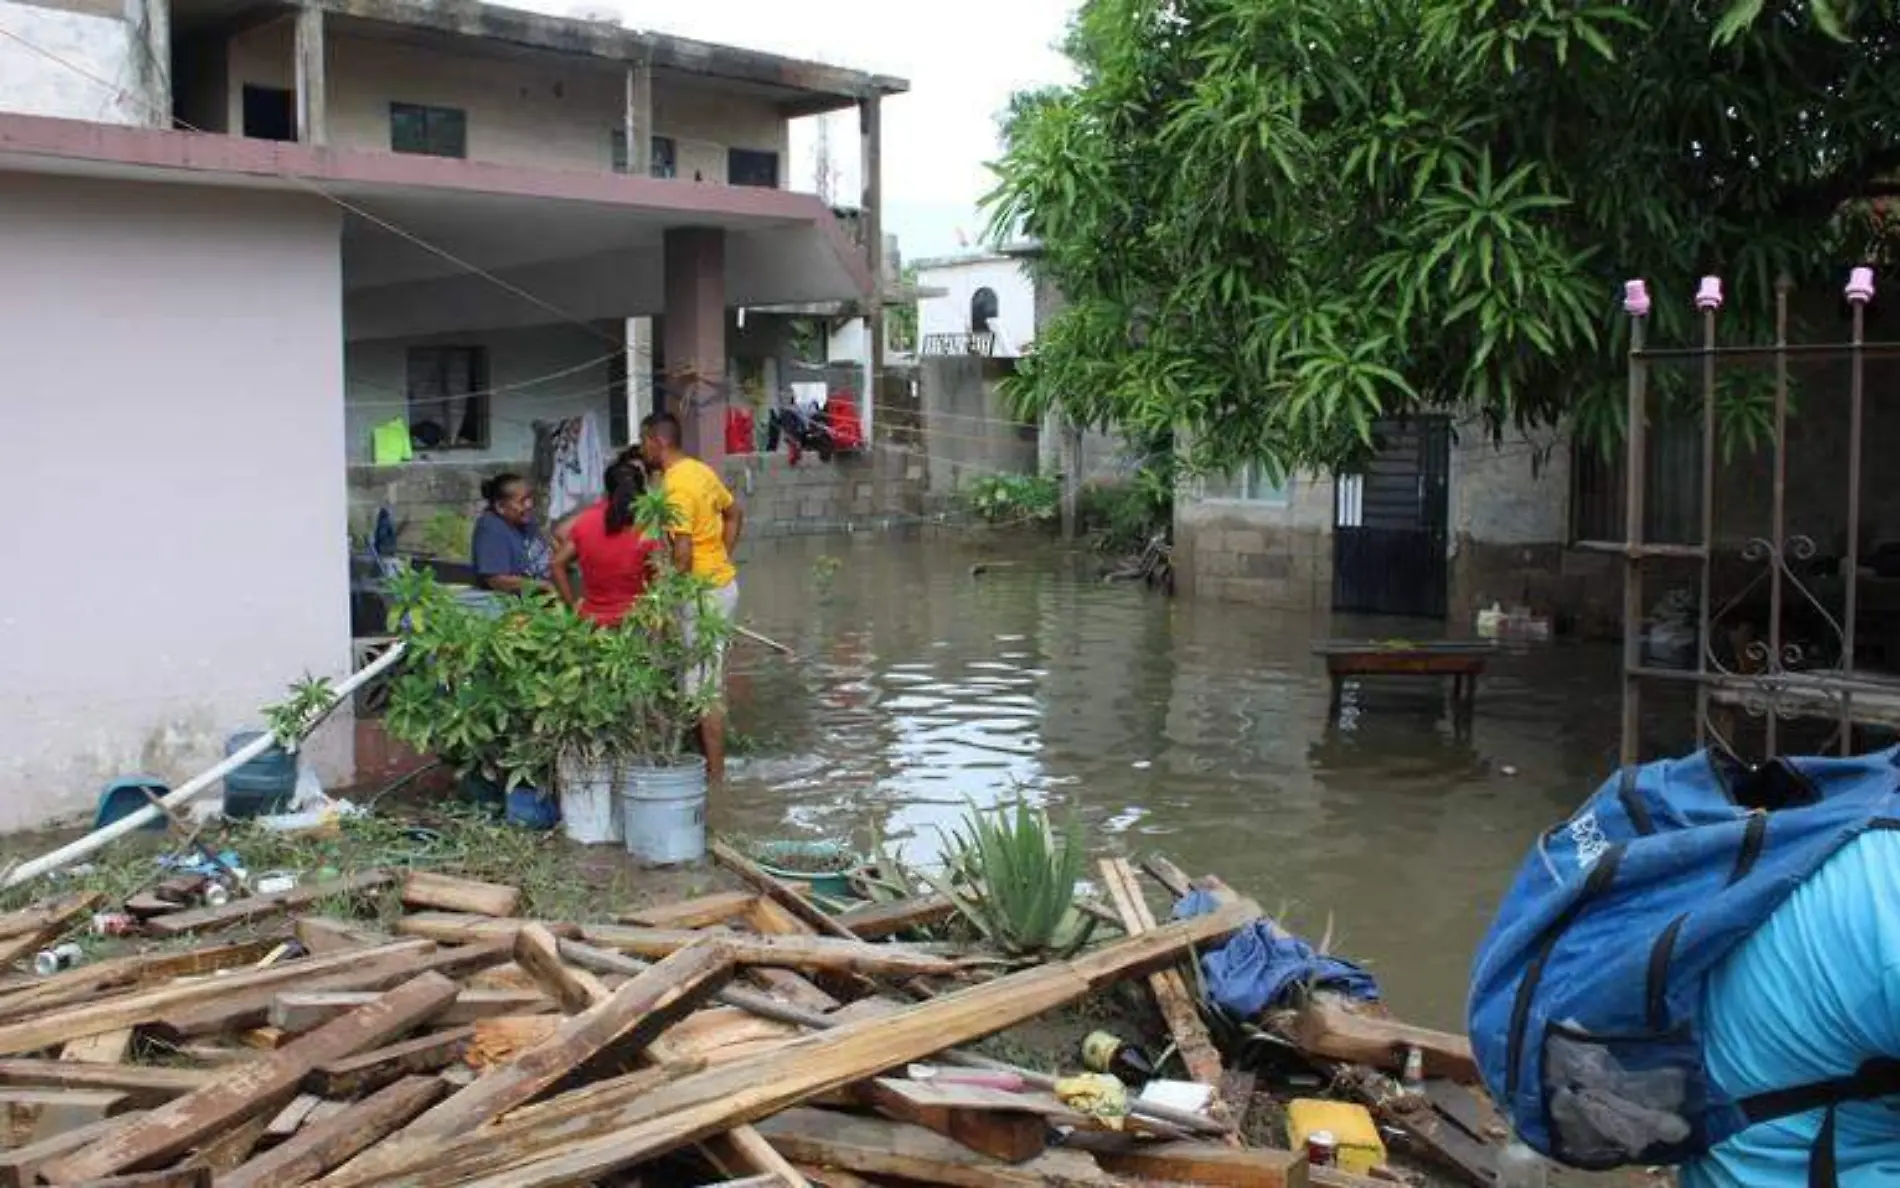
[[1360, 1149]]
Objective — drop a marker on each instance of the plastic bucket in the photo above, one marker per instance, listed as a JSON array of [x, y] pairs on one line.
[[816, 863], [663, 812], [587, 803]]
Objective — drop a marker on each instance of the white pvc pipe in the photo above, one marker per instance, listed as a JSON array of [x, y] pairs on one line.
[[98, 839]]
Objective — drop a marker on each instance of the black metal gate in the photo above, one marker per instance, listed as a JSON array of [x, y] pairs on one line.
[[1389, 523]]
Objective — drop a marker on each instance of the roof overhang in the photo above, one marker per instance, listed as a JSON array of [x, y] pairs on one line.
[[590, 245]]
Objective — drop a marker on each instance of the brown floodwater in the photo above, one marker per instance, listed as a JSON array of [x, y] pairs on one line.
[[1192, 728]]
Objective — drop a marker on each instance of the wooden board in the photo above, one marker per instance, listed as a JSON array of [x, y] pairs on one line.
[[251, 1009], [538, 952], [20, 1167], [91, 983], [495, 1041], [108, 1047], [875, 1147], [143, 1085], [24, 933], [29, 1115], [794, 952], [744, 1149], [1170, 989], [460, 928], [629, 1017], [176, 1127], [336, 1139], [1330, 1027], [878, 920], [239, 911], [177, 1177], [1214, 1165], [626, 1129], [769, 919], [45, 1031], [321, 934], [988, 1121], [777, 891], [372, 1070], [294, 1013], [427, 889], [716, 908], [226, 1151]]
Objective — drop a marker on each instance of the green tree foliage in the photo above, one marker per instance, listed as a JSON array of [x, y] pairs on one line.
[[1279, 220]]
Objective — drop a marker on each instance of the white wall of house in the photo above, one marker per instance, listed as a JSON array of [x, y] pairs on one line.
[[538, 373], [543, 111], [1008, 278], [170, 365], [99, 42]]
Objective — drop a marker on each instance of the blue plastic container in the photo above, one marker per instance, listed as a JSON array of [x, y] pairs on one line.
[[263, 786], [528, 808]]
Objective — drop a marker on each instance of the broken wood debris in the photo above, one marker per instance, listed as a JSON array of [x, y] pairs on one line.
[[481, 1045]]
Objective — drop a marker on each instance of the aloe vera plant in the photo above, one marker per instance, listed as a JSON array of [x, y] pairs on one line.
[[1012, 875]]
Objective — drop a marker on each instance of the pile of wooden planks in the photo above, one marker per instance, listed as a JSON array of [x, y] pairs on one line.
[[745, 1037]]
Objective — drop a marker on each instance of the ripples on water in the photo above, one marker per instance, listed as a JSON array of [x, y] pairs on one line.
[[1192, 728]]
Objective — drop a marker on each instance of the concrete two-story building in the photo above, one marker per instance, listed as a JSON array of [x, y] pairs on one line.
[[240, 236]]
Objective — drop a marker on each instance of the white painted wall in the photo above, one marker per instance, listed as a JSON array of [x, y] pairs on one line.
[[104, 47], [544, 111], [520, 363], [950, 314], [170, 370]]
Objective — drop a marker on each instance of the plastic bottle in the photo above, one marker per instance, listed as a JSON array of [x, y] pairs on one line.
[[1106, 1052], [1521, 1167]]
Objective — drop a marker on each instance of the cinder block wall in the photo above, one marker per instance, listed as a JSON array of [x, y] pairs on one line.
[[873, 490]]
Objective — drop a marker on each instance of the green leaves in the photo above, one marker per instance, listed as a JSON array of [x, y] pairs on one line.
[[1278, 220], [1013, 878]]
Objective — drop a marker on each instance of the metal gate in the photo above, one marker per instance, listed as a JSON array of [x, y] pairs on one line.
[[1780, 629], [1389, 523]]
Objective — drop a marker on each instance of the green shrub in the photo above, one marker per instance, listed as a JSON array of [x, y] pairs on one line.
[[1013, 498]]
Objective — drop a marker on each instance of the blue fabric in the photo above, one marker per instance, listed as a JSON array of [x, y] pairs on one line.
[[499, 549], [1815, 990], [1589, 995], [1256, 967]]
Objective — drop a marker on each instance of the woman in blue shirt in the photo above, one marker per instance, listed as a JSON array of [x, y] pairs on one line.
[[507, 552]]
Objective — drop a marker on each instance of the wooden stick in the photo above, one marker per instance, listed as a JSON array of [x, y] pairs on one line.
[[633, 1014], [776, 890], [587, 1146], [459, 928], [878, 920], [1170, 988], [716, 908], [337, 1139], [372, 1070], [798, 952], [143, 1085], [241, 911], [30, 929], [1211, 1164], [538, 952], [428, 889], [755, 637], [176, 1127]]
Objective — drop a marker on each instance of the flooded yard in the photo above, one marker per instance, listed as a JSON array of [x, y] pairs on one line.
[[1193, 728]]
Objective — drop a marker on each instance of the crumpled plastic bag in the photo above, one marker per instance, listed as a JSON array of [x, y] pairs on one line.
[[1098, 1095]]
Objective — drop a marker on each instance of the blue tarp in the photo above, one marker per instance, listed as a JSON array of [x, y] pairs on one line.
[[1258, 966]]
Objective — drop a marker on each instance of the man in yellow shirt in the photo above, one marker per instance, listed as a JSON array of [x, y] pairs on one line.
[[707, 525]]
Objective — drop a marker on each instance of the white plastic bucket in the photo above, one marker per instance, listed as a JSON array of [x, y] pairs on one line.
[[587, 803], [663, 812]]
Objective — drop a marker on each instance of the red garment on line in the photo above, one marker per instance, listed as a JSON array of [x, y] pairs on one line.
[[739, 439], [847, 431]]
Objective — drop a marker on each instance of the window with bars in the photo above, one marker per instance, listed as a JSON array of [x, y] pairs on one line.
[[662, 155], [1252, 484]]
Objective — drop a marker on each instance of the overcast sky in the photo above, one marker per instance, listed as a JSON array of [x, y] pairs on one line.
[[963, 62]]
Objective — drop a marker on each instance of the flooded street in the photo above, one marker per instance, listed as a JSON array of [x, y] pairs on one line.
[[1193, 728]]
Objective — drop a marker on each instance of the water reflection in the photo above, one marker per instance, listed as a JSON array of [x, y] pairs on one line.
[[1195, 728]]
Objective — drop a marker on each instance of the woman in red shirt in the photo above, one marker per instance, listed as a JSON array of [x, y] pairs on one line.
[[615, 557]]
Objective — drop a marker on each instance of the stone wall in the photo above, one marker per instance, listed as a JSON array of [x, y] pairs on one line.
[[968, 430], [873, 490], [1277, 554], [416, 491]]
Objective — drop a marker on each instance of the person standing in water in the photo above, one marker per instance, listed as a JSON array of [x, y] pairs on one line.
[[616, 558], [707, 525]]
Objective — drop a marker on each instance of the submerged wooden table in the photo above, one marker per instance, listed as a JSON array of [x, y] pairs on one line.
[[1461, 660]]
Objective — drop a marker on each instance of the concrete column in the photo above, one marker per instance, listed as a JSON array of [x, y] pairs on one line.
[[871, 159], [694, 335], [639, 373], [313, 105], [639, 119], [151, 22], [1071, 477]]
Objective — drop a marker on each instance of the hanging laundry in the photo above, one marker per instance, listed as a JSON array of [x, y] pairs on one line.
[[571, 454], [739, 431], [389, 443]]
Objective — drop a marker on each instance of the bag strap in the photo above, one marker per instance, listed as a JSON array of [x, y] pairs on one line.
[[1876, 1077]]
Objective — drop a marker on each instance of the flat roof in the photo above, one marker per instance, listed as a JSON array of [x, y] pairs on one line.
[[810, 88]]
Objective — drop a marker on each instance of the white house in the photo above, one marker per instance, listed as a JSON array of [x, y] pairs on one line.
[[984, 304], [445, 215]]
